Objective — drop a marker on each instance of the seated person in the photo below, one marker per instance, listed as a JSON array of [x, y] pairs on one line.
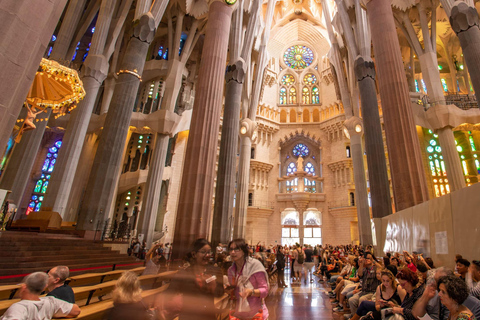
[[56, 284], [32, 306]]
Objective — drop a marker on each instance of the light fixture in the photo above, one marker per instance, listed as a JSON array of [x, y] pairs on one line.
[[358, 128], [345, 131], [243, 130]]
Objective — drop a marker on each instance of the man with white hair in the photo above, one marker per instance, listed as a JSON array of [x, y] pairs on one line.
[[430, 303], [56, 284], [32, 306]]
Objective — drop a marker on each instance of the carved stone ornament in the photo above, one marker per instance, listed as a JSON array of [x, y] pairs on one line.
[[236, 71], [463, 17], [364, 68], [144, 28]]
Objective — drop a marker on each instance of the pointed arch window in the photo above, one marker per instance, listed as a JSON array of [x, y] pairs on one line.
[[305, 95], [292, 168], [315, 95], [283, 95], [292, 97], [42, 183]]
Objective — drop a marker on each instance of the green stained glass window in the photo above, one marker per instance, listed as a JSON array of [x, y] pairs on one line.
[[298, 57], [292, 97], [288, 80], [315, 95], [283, 95], [309, 79]]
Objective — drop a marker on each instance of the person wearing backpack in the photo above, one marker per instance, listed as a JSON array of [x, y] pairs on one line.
[[299, 260]]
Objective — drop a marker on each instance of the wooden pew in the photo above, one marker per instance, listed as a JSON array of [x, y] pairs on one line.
[[98, 311], [8, 291], [96, 278]]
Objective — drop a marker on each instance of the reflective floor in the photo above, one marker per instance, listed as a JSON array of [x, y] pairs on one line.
[[300, 301]]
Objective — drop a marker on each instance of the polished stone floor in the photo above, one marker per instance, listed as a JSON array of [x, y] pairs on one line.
[[300, 301]]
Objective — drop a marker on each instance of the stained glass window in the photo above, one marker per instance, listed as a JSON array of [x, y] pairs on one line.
[[309, 168], [298, 57], [416, 86], [42, 183], [309, 79], [305, 95], [288, 80], [444, 84], [283, 95], [292, 97], [315, 95], [424, 86], [300, 150], [292, 168]]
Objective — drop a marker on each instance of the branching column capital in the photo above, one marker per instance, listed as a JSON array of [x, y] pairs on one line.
[[463, 17], [364, 68]]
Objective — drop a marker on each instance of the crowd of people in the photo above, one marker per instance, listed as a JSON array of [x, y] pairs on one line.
[[399, 286]]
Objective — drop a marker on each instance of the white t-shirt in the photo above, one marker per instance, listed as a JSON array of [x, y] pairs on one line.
[[45, 308]]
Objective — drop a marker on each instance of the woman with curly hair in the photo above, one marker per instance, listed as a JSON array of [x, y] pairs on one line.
[[127, 299], [453, 292]]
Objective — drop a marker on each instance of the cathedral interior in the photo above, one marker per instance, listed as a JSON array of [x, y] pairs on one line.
[[276, 121]]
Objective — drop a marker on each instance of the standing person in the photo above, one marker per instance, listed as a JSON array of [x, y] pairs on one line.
[[299, 261], [136, 249], [152, 265], [127, 299], [309, 263], [56, 284], [280, 268], [191, 292], [32, 306], [292, 262], [250, 282]]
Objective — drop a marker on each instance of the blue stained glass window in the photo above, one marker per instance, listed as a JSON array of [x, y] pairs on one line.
[[416, 86], [52, 164], [42, 183], [309, 168], [292, 168], [315, 95], [300, 150], [54, 38], [46, 164], [283, 95]]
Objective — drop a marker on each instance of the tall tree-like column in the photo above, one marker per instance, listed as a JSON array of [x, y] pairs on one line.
[[195, 203], [465, 22], [24, 40], [20, 164], [354, 126], [408, 175], [67, 30], [172, 86], [225, 187], [248, 126], [107, 164], [94, 71], [429, 64], [360, 47]]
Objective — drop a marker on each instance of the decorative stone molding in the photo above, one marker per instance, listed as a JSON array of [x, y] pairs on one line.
[[269, 77], [334, 128], [236, 71], [364, 69], [95, 66], [144, 28], [327, 76], [343, 171], [298, 134], [259, 174], [463, 17]]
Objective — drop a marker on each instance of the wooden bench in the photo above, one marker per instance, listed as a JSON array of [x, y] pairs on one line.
[[98, 311], [96, 278], [8, 291]]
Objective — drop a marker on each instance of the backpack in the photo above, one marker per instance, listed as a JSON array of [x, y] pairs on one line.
[[301, 257]]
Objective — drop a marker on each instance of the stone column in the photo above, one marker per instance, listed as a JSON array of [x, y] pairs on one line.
[[27, 29], [377, 165], [20, 164], [465, 22], [108, 159], [408, 176], [94, 71], [195, 201], [67, 29], [227, 160]]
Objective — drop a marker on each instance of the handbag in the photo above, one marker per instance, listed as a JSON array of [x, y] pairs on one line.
[[257, 316]]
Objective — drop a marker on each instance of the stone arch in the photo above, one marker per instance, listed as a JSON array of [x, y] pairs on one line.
[[306, 115], [293, 115], [283, 116], [316, 115]]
